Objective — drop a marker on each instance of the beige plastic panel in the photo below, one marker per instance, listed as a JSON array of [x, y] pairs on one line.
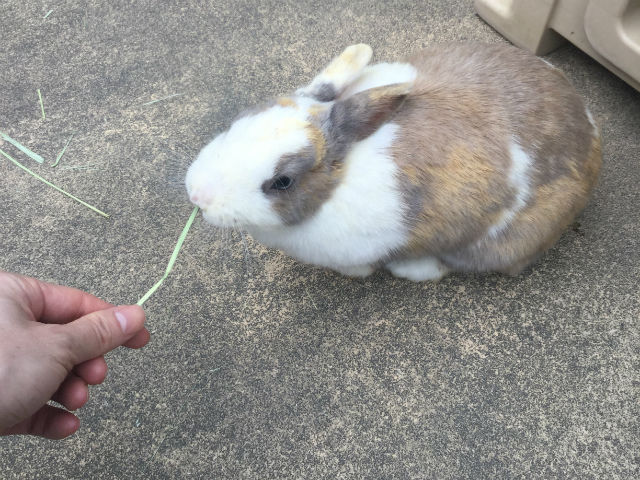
[[608, 30], [525, 23], [613, 29]]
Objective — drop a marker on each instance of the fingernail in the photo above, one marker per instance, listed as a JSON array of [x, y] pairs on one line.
[[122, 320]]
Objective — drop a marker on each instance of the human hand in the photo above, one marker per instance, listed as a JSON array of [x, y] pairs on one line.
[[52, 342]]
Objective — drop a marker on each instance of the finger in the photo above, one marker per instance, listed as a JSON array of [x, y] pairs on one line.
[[65, 304], [100, 332], [92, 371], [139, 340], [73, 393], [57, 304], [49, 422]]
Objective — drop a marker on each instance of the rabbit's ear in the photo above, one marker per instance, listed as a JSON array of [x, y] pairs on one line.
[[356, 117], [339, 74]]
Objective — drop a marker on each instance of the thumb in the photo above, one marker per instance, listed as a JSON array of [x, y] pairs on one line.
[[100, 332]]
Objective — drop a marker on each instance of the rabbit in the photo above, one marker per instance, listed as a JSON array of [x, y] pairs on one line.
[[464, 157]]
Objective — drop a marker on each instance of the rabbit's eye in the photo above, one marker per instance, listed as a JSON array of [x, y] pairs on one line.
[[282, 183]]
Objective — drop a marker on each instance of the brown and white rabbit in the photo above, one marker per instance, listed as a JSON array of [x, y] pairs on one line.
[[466, 157]]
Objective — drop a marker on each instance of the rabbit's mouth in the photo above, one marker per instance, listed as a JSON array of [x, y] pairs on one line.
[[220, 220], [235, 221]]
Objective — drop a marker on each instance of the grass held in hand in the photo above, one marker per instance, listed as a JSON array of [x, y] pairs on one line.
[[172, 260]]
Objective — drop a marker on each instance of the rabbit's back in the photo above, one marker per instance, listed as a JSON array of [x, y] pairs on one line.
[[498, 154]]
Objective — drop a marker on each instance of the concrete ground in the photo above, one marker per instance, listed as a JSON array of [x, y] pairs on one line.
[[260, 367]]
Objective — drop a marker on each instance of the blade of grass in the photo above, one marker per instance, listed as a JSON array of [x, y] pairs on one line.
[[163, 98], [100, 212], [48, 13], [88, 166], [174, 255], [22, 148], [41, 104], [62, 152]]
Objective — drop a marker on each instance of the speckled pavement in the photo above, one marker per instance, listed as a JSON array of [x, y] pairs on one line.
[[264, 368]]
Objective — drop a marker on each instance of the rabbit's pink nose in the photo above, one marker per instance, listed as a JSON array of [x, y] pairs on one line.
[[201, 198]]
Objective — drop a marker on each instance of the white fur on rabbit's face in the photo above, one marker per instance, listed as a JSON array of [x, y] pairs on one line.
[[226, 180], [345, 208], [361, 223], [230, 179]]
